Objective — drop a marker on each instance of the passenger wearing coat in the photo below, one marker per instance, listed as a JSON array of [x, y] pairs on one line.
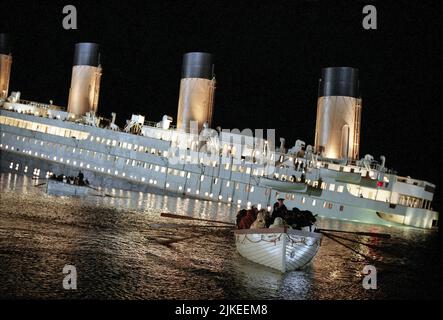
[[280, 210], [247, 220]]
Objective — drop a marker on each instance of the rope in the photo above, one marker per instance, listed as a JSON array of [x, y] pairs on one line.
[[302, 240], [262, 239]]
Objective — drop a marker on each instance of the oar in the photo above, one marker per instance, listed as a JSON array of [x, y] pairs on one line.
[[177, 216], [171, 241], [348, 247], [368, 234], [372, 246], [40, 184], [103, 194], [182, 226], [95, 189], [88, 186]]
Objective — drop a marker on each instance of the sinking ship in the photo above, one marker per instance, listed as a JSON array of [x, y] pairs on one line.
[[191, 159]]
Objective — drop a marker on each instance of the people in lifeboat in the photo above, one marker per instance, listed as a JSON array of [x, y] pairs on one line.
[[262, 220], [280, 210], [79, 180], [247, 220], [281, 217]]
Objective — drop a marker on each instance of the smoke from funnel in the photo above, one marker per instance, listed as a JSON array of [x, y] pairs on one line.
[[197, 86], [337, 131], [5, 65], [85, 80]]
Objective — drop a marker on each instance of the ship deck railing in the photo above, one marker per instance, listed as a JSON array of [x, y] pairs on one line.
[[38, 104], [154, 124]]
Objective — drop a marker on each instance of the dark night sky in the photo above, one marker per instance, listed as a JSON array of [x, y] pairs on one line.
[[268, 57]]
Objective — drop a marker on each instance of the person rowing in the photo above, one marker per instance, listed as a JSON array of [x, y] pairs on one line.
[[280, 210]]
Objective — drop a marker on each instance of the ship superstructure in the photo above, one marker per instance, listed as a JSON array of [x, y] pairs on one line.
[[226, 166]]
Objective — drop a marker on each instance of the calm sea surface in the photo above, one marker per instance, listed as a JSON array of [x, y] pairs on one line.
[[117, 246]]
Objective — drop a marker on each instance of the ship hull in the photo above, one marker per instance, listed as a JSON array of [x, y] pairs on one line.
[[142, 163], [98, 179], [422, 219]]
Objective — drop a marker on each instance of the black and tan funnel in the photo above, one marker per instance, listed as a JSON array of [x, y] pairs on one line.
[[85, 81], [197, 88], [5, 65], [337, 131]]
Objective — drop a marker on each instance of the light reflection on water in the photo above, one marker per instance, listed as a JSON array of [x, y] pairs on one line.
[[113, 242]]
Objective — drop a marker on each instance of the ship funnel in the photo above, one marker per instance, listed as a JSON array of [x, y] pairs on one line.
[[5, 65], [337, 131], [85, 80], [197, 86]]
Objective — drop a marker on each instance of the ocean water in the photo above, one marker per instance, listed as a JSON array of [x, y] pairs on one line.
[[123, 249]]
